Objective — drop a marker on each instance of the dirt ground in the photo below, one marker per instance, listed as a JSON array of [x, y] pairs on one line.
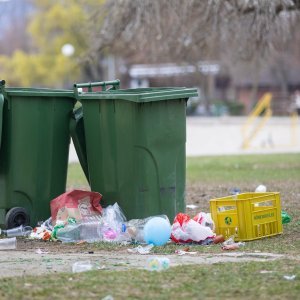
[[34, 257], [37, 257]]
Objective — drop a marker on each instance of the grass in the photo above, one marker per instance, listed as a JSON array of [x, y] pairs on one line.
[[247, 280], [207, 177], [76, 178], [244, 168]]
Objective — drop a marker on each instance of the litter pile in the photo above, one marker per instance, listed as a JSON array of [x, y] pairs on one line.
[[77, 216]]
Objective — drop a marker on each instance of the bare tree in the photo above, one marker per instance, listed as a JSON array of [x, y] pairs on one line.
[[189, 30]]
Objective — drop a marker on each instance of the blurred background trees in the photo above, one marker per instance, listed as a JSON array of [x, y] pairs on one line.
[[233, 49], [45, 41]]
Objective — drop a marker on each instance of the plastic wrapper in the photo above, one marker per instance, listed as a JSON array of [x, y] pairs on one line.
[[285, 217], [113, 228], [80, 205], [110, 228], [205, 219]]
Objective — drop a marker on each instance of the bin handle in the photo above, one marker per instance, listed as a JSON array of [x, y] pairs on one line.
[[2, 86], [1, 115], [114, 85]]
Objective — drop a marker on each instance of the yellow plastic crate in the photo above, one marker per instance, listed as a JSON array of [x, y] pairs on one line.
[[247, 216]]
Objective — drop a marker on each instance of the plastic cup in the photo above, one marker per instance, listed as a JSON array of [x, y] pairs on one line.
[[82, 266], [8, 244]]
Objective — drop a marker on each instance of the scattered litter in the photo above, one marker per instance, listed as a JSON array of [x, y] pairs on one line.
[[192, 206], [82, 266], [261, 189], [110, 228], [141, 250], [40, 251], [285, 217], [218, 239], [17, 231], [229, 241], [48, 224], [113, 228], [26, 284], [81, 242], [230, 247], [287, 277], [182, 252], [40, 233], [230, 244], [235, 191], [157, 263], [108, 297], [103, 267], [266, 272], [8, 243], [135, 228]]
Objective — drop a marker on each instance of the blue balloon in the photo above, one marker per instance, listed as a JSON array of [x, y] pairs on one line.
[[157, 231]]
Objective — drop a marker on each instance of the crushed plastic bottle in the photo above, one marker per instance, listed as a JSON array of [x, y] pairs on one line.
[[17, 231], [157, 263], [87, 231]]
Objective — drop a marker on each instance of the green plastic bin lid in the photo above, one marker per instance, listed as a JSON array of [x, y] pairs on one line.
[[38, 92], [141, 95]]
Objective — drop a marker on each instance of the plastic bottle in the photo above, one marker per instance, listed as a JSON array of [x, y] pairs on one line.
[[157, 263], [87, 231], [17, 231]]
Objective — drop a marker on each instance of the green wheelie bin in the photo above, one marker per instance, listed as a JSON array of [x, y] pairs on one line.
[[133, 146], [34, 149]]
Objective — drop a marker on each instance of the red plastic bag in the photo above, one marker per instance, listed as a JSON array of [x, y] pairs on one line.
[[187, 230], [81, 205], [177, 234]]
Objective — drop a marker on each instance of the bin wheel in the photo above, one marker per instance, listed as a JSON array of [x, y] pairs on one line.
[[17, 216]]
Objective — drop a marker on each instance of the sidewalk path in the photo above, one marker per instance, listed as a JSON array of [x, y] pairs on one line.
[[223, 135]]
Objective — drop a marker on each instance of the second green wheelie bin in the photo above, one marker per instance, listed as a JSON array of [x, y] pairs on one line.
[[34, 149], [134, 142]]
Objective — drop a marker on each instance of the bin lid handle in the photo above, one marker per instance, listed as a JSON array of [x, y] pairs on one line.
[[105, 85], [1, 116]]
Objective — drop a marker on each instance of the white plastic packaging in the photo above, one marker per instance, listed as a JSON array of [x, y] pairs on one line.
[[196, 231]]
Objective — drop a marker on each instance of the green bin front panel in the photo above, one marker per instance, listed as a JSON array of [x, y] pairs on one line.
[[136, 154], [34, 151]]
